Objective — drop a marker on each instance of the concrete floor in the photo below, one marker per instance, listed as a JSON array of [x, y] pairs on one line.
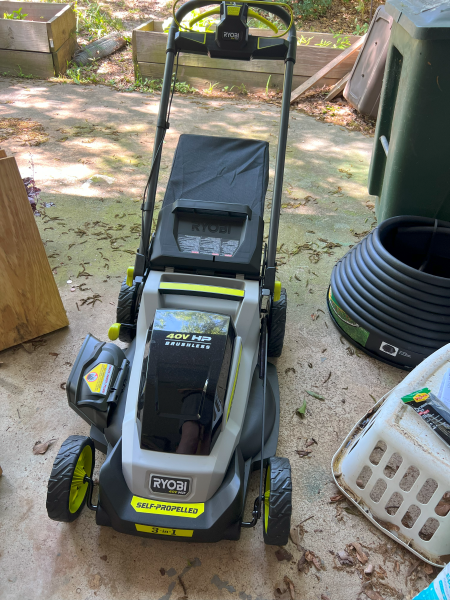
[[94, 130]]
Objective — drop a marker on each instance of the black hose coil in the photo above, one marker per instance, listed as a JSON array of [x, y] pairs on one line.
[[390, 294]]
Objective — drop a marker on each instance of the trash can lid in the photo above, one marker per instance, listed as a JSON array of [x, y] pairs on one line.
[[422, 19]]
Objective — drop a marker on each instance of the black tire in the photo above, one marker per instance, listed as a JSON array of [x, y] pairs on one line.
[[127, 309], [60, 482], [277, 325], [277, 507]]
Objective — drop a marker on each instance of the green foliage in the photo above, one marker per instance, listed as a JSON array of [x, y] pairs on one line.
[[342, 41], [17, 15], [304, 41], [242, 89], [309, 8], [202, 25], [211, 87], [95, 21], [22, 74], [360, 29]]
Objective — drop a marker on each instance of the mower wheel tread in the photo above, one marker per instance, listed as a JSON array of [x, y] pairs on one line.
[[59, 483], [280, 502], [126, 311], [277, 325]]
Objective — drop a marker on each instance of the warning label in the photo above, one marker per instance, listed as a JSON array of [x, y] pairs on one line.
[[99, 378], [215, 246]]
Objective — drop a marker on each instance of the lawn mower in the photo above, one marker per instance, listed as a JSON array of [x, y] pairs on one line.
[[191, 408]]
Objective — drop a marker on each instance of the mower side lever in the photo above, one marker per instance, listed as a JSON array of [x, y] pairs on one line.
[[89, 504]]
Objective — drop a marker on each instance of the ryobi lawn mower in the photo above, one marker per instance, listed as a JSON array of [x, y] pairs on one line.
[[191, 408]]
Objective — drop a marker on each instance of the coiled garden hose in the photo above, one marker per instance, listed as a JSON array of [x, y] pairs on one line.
[[390, 294]]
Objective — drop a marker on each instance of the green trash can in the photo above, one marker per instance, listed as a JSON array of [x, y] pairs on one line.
[[410, 168]]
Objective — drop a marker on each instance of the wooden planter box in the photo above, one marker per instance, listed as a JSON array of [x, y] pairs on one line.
[[42, 43], [149, 55]]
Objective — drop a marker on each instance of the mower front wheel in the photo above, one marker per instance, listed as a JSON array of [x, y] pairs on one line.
[[67, 490], [277, 507]]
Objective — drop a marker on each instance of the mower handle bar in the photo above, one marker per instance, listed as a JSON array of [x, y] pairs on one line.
[[162, 125], [274, 9]]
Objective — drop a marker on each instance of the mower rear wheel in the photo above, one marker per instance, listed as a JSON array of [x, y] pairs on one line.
[[67, 490], [277, 325], [277, 508], [127, 311]]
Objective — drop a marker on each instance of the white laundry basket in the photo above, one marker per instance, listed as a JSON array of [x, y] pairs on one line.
[[395, 469]]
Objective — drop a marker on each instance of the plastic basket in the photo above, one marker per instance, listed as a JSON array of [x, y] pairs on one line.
[[396, 469]]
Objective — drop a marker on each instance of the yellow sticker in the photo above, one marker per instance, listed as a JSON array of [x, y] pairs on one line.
[[165, 531], [233, 10], [99, 378], [421, 397], [167, 508]]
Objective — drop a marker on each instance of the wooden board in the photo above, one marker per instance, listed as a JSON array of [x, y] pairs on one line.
[[339, 87], [23, 35], [332, 66], [64, 55], [61, 27], [36, 11], [38, 64], [313, 36], [2, 153], [150, 47], [30, 304], [200, 77]]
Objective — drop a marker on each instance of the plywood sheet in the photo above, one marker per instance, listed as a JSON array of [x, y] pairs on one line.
[[30, 304]]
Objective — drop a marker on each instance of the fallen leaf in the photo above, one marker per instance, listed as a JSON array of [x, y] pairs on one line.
[[42, 447], [162, 571], [324, 597], [291, 587], [310, 443], [360, 552], [301, 411], [315, 395], [55, 354], [428, 569], [302, 562], [345, 558], [337, 498], [282, 594], [371, 593], [413, 568], [311, 557], [283, 554], [296, 535], [104, 557], [397, 567], [381, 572], [303, 453]]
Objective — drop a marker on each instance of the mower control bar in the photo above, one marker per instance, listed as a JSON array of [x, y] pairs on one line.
[[256, 47]]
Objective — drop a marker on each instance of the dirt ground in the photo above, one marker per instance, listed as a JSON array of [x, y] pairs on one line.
[[90, 227], [117, 70]]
